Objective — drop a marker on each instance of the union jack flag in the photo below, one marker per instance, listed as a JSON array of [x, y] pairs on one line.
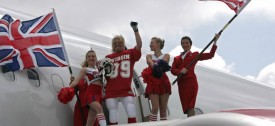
[[236, 5], [31, 43]]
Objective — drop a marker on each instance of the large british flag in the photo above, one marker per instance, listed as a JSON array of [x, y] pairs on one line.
[[32, 43]]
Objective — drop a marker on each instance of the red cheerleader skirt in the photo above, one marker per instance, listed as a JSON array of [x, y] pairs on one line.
[[92, 93], [155, 85]]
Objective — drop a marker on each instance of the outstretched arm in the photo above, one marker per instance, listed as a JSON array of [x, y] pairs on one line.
[[138, 38], [79, 77], [211, 54]]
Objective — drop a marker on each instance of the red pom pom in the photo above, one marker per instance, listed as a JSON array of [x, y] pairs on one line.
[[146, 74], [65, 95]]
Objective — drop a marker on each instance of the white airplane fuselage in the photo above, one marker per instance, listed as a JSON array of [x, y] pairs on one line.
[[27, 103]]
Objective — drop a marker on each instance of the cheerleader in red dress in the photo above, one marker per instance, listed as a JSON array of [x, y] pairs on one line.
[[188, 84], [93, 92], [158, 85]]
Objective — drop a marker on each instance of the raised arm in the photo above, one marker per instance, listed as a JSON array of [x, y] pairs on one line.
[[211, 54], [138, 38]]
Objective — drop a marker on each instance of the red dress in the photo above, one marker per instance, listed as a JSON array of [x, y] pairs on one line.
[[94, 91], [157, 86], [188, 84], [87, 94]]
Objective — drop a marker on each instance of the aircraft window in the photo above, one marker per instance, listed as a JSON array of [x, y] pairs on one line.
[[9, 76], [198, 111], [33, 78], [57, 82]]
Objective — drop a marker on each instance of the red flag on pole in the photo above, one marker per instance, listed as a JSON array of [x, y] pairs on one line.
[[236, 5]]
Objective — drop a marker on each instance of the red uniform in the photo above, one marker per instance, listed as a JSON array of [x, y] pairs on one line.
[[119, 84], [88, 92], [187, 84], [94, 91], [164, 85]]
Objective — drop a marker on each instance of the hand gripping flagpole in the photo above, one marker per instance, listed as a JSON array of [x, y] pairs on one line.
[[70, 69], [199, 55]]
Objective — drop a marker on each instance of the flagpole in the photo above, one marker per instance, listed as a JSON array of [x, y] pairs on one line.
[[62, 42], [199, 55], [70, 69]]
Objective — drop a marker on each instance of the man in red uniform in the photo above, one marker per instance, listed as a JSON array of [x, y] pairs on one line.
[[118, 87], [188, 84]]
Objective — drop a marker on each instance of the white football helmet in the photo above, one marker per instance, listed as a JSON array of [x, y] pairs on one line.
[[105, 68]]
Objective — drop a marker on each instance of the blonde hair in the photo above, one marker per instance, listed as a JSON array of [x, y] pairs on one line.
[[160, 41], [119, 37], [85, 63]]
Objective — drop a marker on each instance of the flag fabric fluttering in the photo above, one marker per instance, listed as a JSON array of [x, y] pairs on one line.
[[6, 48], [31, 43], [236, 5]]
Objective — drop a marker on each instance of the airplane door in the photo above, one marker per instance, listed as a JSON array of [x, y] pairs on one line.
[[57, 82]]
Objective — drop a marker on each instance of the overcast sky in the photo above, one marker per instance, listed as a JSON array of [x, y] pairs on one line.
[[246, 47]]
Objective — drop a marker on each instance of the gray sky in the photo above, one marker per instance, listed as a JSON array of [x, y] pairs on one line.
[[245, 48]]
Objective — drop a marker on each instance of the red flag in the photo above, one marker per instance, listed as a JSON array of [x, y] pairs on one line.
[[236, 5]]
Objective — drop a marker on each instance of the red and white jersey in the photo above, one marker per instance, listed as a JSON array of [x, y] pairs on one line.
[[92, 75], [119, 84]]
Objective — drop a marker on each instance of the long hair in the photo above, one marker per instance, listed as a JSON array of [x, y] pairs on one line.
[[85, 63], [119, 37]]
